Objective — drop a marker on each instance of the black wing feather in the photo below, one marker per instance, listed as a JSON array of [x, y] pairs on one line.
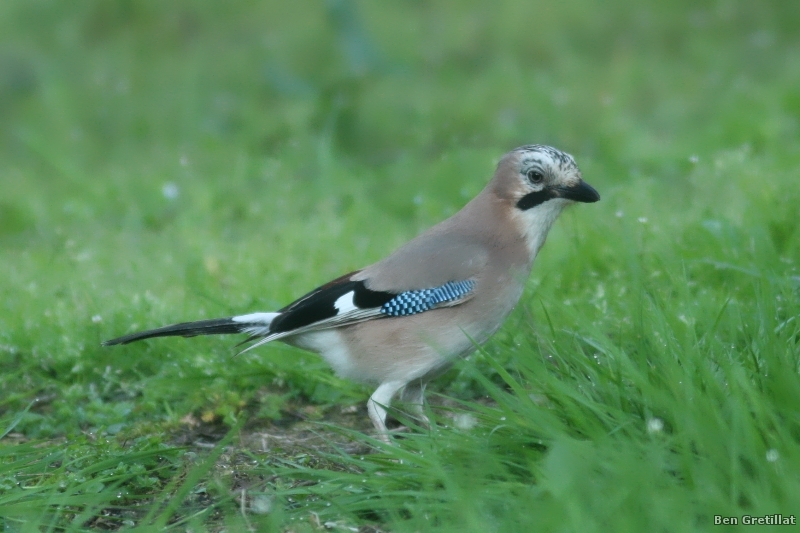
[[319, 304]]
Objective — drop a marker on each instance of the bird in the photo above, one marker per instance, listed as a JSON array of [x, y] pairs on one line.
[[402, 321]]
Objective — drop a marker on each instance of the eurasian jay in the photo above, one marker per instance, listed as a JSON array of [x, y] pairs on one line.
[[400, 322]]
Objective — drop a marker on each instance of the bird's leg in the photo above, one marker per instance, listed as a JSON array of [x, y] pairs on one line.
[[414, 396], [377, 404]]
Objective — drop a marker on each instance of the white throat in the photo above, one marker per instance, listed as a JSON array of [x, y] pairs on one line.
[[536, 222]]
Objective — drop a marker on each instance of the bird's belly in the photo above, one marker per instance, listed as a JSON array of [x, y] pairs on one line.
[[388, 349], [412, 347]]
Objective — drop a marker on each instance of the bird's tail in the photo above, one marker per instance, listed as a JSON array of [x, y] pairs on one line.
[[256, 324]]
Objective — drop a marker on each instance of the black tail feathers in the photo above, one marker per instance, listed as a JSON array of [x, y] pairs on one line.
[[184, 329]]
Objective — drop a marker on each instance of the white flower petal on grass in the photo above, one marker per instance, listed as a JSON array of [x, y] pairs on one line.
[[465, 421]]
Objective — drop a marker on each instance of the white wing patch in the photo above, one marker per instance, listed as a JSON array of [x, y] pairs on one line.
[[344, 304]]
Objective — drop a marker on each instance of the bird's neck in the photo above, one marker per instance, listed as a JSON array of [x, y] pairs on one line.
[[500, 225], [523, 230]]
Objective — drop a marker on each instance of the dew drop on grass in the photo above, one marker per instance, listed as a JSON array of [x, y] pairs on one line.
[[772, 455], [170, 190], [655, 425]]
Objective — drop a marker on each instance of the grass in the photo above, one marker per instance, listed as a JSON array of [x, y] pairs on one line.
[[161, 163]]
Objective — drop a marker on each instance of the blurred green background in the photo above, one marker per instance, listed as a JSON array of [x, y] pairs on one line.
[[170, 161]]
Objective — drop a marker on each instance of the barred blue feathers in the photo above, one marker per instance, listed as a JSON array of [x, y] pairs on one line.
[[413, 302]]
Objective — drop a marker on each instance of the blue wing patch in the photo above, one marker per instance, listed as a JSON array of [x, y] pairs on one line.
[[413, 302]]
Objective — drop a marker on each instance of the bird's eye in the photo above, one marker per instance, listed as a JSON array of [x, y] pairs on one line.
[[534, 176]]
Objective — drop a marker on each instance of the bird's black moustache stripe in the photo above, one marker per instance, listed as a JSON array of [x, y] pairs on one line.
[[532, 199]]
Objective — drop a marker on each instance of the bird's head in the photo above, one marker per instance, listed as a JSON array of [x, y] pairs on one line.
[[536, 183], [534, 175]]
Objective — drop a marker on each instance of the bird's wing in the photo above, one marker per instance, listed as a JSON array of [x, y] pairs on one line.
[[347, 300], [430, 260]]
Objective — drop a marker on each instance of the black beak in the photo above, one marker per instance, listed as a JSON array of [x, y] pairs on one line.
[[582, 192]]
